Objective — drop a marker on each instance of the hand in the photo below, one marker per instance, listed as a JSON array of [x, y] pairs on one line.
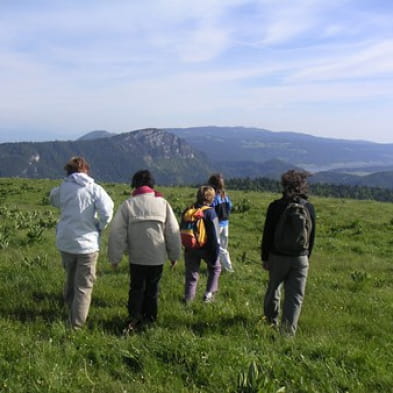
[[173, 264]]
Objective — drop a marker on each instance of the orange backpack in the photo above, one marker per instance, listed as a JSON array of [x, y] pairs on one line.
[[192, 227]]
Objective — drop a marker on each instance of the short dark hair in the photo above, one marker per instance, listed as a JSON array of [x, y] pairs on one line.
[[76, 164], [142, 178], [294, 183]]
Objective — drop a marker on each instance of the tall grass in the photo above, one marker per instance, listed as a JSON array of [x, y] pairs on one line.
[[344, 342]]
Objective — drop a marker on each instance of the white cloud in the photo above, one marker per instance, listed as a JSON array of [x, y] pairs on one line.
[[370, 60], [118, 64]]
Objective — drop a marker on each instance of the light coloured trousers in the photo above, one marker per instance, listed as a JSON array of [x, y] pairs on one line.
[[225, 259], [291, 272], [193, 260], [80, 277]]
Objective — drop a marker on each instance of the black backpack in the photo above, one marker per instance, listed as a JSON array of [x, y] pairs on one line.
[[222, 211], [292, 234]]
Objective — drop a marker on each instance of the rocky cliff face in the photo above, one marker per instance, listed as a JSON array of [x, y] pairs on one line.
[[112, 159], [155, 143]]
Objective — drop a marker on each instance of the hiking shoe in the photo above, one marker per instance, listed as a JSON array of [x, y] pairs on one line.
[[186, 301], [271, 323], [132, 328], [208, 298]]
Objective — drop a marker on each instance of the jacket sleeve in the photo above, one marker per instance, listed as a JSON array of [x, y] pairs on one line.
[[118, 239], [104, 206], [54, 197], [172, 235], [312, 235], [268, 235], [230, 204]]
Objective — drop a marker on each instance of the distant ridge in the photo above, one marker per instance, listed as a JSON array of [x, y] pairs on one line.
[[189, 155], [309, 152], [98, 134]]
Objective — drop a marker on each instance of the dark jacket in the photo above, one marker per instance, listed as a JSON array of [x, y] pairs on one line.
[[273, 214]]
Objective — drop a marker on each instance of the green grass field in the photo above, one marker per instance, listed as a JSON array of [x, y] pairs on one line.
[[344, 341]]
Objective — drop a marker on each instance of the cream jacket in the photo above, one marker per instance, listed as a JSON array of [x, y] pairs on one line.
[[145, 228]]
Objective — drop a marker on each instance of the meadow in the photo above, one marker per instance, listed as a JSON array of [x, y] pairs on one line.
[[344, 342]]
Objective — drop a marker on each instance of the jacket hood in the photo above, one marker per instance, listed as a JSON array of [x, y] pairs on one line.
[[80, 178]]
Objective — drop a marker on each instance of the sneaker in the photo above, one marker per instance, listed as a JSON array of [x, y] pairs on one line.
[[208, 298], [229, 269]]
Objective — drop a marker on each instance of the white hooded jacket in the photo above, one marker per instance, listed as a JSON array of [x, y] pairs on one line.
[[86, 209]]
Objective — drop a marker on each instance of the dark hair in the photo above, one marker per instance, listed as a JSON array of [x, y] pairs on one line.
[[76, 164], [294, 183], [216, 180], [205, 195], [142, 178]]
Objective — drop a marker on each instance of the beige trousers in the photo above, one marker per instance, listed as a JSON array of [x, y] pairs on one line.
[[80, 277]]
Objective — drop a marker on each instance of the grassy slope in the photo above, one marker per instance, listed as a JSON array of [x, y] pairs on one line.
[[344, 342]]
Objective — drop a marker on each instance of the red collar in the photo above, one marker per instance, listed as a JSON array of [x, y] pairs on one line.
[[145, 190]]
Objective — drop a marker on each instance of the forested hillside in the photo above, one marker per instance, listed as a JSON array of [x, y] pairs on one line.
[[319, 189]]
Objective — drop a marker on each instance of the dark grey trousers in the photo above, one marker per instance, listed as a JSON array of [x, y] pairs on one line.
[[290, 272]]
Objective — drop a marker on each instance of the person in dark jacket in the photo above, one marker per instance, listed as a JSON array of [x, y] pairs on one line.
[[289, 270], [209, 253]]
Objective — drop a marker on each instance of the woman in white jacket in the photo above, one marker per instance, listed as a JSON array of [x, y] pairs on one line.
[[86, 209], [145, 228]]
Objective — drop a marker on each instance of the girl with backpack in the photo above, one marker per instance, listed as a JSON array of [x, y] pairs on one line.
[[208, 251], [222, 205]]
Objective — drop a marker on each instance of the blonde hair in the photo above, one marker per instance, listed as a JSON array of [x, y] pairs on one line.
[[205, 195]]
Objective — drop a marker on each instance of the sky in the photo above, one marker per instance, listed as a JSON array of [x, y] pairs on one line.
[[323, 68]]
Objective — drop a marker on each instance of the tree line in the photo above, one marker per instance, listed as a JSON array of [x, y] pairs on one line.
[[319, 189]]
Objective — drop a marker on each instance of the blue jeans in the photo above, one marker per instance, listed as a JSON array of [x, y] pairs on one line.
[[291, 272]]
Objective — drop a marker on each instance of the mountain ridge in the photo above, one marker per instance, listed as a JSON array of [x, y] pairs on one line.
[[96, 134], [189, 155], [307, 151], [112, 159]]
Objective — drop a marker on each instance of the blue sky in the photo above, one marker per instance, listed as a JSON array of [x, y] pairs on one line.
[[320, 67]]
